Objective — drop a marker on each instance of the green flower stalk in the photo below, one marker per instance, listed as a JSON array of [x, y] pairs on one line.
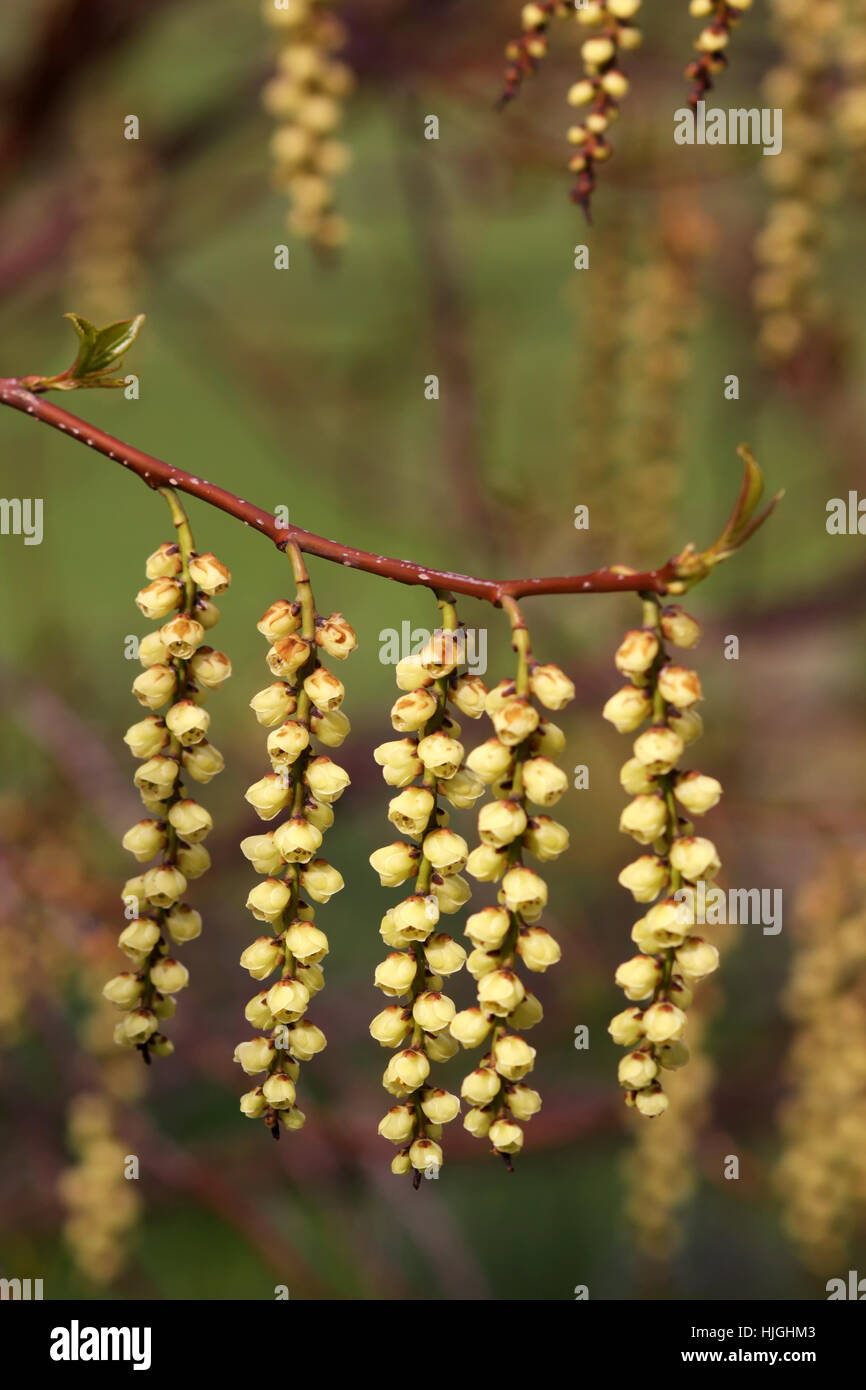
[[671, 958], [517, 762], [179, 672], [302, 706], [426, 764]]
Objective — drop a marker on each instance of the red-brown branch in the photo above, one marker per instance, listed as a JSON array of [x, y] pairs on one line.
[[158, 474]]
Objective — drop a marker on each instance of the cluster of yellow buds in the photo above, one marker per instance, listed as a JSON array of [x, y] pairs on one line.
[[670, 957], [524, 54], [602, 87], [425, 764], [101, 1202], [850, 108], [821, 1172], [712, 42], [786, 249], [302, 704], [306, 98], [516, 763], [179, 672]]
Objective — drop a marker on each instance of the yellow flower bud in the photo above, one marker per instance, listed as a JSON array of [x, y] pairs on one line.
[[514, 722], [712, 40], [165, 562], [273, 704], [490, 760], [305, 1040], [513, 1057], [596, 52], [411, 810], [659, 749], [695, 858], [626, 1028], [644, 878], [537, 948], [440, 755], [478, 1122], [551, 687], [623, 9], [336, 636], [306, 942], [183, 923], [156, 777], [627, 709], [687, 723], [286, 744], [417, 915], [446, 851], [282, 619], [581, 93], [394, 975], [697, 958], [638, 977], [488, 928], [169, 975], [470, 1027], [440, 1047], [637, 1069], [663, 1022], [527, 1014], [615, 83], [463, 789], [145, 839], [399, 1124], [181, 636], [124, 991], [279, 1090], [487, 864], [399, 761], [188, 722], [190, 821], [543, 782], [139, 1026], [161, 597], [651, 1102], [480, 1086], [546, 838], [532, 16], [506, 1136], [672, 1055], [268, 899], [147, 737], [697, 792], [318, 813], [155, 686], [268, 796], [203, 762], [411, 712], [433, 1011], [443, 954], [257, 1012], [636, 652], [164, 885], [292, 1119], [325, 779], [325, 690], [678, 686], [501, 822], [409, 674], [480, 962], [469, 694], [330, 729], [524, 891], [644, 818], [320, 880], [452, 891], [288, 1000], [548, 739], [288, 655], [253, 1104], [500, 992], [391, 1026], [634, 778], [440, 1107], [400, 1164], [296, 840], [523, 1102], [679, 628], [424, 1155], [406, 1071], [210, 668], [152, 652], [209, 574], [262, 957]]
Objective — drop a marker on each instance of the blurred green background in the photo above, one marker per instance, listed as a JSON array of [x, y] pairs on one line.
[[306, 388]]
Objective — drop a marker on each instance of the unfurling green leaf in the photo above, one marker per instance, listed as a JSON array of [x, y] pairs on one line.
[[100, 351]]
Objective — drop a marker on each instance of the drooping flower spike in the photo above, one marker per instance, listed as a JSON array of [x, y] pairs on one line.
[[426, 765], [712, 42], [179, 672], [671, 958], [301, 707], [517, 763]]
